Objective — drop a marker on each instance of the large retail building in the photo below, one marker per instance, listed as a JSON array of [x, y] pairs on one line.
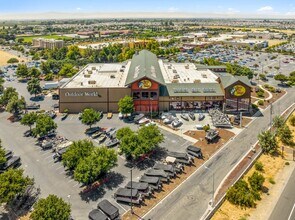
[[155, 85]]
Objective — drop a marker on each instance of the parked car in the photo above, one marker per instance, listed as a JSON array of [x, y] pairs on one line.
[[32, 106], [90, 131], [12, 162]]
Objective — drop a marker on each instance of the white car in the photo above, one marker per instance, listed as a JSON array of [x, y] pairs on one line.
[[151, 123], [143, 121], [199, 127]]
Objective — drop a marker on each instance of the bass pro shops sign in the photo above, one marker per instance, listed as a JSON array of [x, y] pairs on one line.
[[80, 94]]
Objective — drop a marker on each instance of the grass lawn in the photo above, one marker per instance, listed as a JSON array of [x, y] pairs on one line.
[[57, 37]]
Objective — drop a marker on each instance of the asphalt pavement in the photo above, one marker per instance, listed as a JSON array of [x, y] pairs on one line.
[[285, 207], [191, 199]]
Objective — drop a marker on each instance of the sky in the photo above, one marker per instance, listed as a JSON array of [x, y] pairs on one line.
[[200, 8]]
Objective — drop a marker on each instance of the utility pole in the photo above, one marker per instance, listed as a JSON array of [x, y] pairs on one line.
[[241, 119], [131, 208], [270, 114]]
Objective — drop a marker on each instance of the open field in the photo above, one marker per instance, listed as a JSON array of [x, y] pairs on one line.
[[5, 56], [56, 37], [275, 42], [289, 32]]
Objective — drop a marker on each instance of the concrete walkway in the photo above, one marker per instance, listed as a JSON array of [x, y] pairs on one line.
[[178, 132], [265, 90]]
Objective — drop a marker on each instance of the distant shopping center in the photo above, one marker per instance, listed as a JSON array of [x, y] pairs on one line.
[[155, 85]]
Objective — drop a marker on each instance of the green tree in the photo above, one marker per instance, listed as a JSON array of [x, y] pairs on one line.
[[240, 194], [2, 155], [1, 85], [77, 152], [90, 116], [67, 70], [16, 105], [292, 120], [267, 142], [13, 182], [12, 60], [34, 72], [100, 161], [29, 119], [73, 53], [278, 121], [51, 207], [134, 144], [126, 105], [44, 125], [22, 71], [281, 77], [285, 134], [7, 95], [256, 181], [34, 87]]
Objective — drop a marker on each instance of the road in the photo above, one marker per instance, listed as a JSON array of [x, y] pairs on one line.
[[285, 207], [190, 200]]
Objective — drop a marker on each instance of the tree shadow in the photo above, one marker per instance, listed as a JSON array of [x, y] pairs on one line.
[[116, 180], [37, 98]]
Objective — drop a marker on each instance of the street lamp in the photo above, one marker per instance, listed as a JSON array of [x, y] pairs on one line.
[[131, 208], [151, 105], [212, 200], [69, 197]]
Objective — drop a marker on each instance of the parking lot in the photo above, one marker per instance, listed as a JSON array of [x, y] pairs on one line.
[[54, 179]]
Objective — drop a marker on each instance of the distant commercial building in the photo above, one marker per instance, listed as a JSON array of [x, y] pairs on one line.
[[154, 85], [47, 43]]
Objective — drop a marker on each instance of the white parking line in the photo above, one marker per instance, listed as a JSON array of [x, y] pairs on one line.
[[48, 157], [54, 164], [71, 117], [48, 152], [121, 206], [76, 185], [291, 212], [59, 168], [71, 180], [62, 172], [50, 161]]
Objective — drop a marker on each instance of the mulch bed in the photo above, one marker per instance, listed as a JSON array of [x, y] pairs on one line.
[[245, 122], [207, 149], [275, 97]]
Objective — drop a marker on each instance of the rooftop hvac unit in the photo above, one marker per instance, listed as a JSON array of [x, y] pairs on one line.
[[91, 82], [93, 68], [87, 76], [89, 71], [176, 76], [113, 76], [175, 81], [174, 71], [197, 81], [187, 66], [81, 83], [169, 67], [204, 75]]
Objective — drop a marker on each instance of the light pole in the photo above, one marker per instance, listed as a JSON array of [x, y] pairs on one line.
[[151, 105], [131, 208], [69, 197], [212, 203]]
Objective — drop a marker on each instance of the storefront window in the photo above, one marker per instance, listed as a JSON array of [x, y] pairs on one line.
[[145, 95], [154, 95], [136, 95]]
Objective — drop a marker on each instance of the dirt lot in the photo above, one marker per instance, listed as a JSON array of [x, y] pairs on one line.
[[245, 121], [4, 57], [275, 42], [272, 166], [207, 149]]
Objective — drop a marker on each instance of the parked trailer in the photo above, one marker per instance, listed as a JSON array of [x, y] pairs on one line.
[[143, 188], [169, 169], [181, 157], [96, 214], [50, 85], [164, 177], [109, 209], [154, 182], [128, 195]]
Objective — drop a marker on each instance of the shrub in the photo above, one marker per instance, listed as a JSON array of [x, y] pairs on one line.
[[260, 102], [259, 166], [254, 106], [240, 194], [256, 182], [287, 163], [285, 134], [271, 180], [292, 120], [260, 94], [272, 89], [12, 60], [206, 128]]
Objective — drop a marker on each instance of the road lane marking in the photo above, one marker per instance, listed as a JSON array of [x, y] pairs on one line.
[[62, 172], [291, 212], [76, 185], [71, 180]]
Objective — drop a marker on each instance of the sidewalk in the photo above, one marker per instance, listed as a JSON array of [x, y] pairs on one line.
[[264, 208]]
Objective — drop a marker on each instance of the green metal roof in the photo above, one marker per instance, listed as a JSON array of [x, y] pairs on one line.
[[228, 80], [144, 64], [193, 89]]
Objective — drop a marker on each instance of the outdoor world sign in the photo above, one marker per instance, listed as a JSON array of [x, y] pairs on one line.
[[79, 94], [238, 90]]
